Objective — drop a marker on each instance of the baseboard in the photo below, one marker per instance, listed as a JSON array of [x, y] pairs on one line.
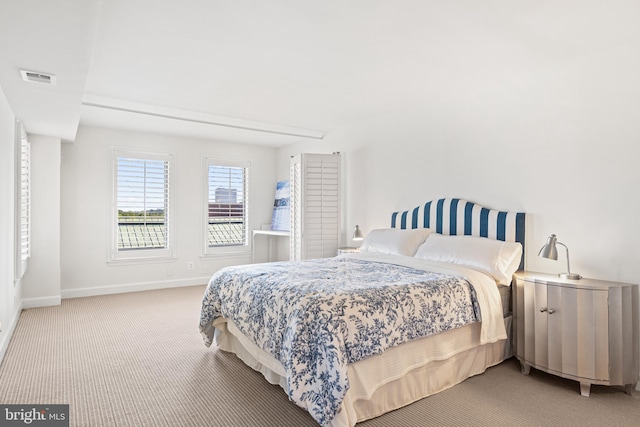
[[133, 287], [40, 302], [5, 336]]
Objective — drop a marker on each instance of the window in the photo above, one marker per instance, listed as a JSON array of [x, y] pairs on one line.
[[141, 207], [226, 206], [23, 201]]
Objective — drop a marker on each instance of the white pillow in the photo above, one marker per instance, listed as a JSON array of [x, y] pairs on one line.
[[394, 241], [497, 258]]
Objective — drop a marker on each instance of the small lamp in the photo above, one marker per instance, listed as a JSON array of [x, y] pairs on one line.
[[357, 234], [550, 251]]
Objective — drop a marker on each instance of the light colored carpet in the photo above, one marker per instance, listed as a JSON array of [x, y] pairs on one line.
[[138, 359]]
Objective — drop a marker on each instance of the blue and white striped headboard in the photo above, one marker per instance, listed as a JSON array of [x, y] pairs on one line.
[[460, 217]]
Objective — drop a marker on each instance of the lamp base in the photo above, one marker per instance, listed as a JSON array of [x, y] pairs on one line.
[[570, 276]]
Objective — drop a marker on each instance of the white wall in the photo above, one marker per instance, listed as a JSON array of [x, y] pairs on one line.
[[41, 282], [9, 291], [559, 144], [84, 215]]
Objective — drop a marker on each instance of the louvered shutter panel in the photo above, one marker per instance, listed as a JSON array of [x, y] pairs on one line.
[[227, 205], [23, 204], [25, 198], [295, 239], [315, 206], [142, 202]]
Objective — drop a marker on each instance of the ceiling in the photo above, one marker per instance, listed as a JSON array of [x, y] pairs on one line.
[[281, 71]]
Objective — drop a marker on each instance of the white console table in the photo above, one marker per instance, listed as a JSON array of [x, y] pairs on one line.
[[268, 233]]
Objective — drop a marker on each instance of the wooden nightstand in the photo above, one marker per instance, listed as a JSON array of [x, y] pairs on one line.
[[585, 330], [348, 250]]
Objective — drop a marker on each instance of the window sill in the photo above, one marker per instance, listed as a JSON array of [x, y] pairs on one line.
[[134, 261], [239, 254]]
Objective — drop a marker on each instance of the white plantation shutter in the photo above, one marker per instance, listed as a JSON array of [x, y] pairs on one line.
[[23, 203], [226, 205], [315, 215], [295, 239], [142, 208]]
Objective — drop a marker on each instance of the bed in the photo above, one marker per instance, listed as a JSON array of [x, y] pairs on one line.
[[422, 307]]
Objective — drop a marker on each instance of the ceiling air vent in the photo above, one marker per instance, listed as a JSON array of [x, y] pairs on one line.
[[35, 77]]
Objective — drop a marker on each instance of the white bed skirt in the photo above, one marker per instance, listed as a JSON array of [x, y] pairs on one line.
[[395, 378]]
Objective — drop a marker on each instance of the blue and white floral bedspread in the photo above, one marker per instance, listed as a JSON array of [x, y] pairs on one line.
[[316, 316]]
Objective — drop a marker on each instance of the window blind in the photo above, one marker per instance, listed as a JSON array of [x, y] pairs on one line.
[[142, 203], [227, 207], [315, 205], [295, 240], [23, 204]]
